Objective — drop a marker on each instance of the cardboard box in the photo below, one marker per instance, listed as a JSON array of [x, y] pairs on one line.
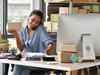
[[48, 0], [80, 0], [47, 25], [95, 8], [82, 11], [98, 0], [54, 26], [94, 0], [88, 8], [90, 0], [54, 17], [14, 25], [0, 37], [64, 57], [56, 0], [63, 10], [68, 48], [75, 10]]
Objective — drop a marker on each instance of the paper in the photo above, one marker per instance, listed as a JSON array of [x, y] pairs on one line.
[[30, 54]]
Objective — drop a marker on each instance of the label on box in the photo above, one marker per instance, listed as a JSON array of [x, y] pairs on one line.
[[73, 58]]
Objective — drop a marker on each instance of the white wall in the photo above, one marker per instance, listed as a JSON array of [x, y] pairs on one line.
[[1, 15], [18, 1], [1, 71], [1, 26], [36, 4]]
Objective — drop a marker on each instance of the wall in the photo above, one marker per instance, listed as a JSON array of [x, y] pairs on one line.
[[1, 15], [36, 4], [1, 26]]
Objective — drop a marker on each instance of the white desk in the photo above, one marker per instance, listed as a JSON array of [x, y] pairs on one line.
[[63, 66]]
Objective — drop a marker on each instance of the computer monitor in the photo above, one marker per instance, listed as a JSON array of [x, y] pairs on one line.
[[71, 27]]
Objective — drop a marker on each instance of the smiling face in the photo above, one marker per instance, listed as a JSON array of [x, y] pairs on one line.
[[33, 21]]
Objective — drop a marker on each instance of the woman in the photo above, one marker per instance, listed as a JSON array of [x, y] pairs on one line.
[[32, 38]]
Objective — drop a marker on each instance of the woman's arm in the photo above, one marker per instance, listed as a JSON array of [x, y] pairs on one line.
[[49, 48], [19, 44]]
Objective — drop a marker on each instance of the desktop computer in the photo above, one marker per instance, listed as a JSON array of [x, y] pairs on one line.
[[72, 27]]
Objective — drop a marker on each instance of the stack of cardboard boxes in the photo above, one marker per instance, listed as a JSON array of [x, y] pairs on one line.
[[67, 53], [52, 25], [47, 25], [54, 20]]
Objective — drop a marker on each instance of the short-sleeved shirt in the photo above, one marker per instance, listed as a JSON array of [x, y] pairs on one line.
[[38, 41]]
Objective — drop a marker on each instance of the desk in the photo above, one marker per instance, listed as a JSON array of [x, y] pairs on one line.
[[63, 66]]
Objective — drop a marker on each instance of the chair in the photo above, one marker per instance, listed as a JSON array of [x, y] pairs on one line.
[[40, 72], [57, 72]]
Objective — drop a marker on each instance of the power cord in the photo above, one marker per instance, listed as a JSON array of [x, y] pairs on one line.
[[97, 67]]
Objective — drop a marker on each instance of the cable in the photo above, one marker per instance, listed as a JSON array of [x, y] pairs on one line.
[[97, 67]]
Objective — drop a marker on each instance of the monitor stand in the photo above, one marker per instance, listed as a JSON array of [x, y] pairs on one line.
[[88, 49]]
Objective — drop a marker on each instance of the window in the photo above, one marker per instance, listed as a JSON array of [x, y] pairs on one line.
[[18, 10]]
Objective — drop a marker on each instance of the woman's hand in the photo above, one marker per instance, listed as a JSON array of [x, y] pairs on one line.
[[48, 49], [14, 32]]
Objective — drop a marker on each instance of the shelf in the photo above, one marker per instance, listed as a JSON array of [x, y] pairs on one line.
[[56, 1], [87, 3], [67, 4], [71, 7], [52, 31], [73, 2], [59, 2], [56, 4]]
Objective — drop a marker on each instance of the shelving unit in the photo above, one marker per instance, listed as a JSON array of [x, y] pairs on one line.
[[65, 4], [53, 8]]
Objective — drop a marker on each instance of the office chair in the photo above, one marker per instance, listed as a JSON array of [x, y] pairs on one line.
[[57, 72], [40, 72]]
